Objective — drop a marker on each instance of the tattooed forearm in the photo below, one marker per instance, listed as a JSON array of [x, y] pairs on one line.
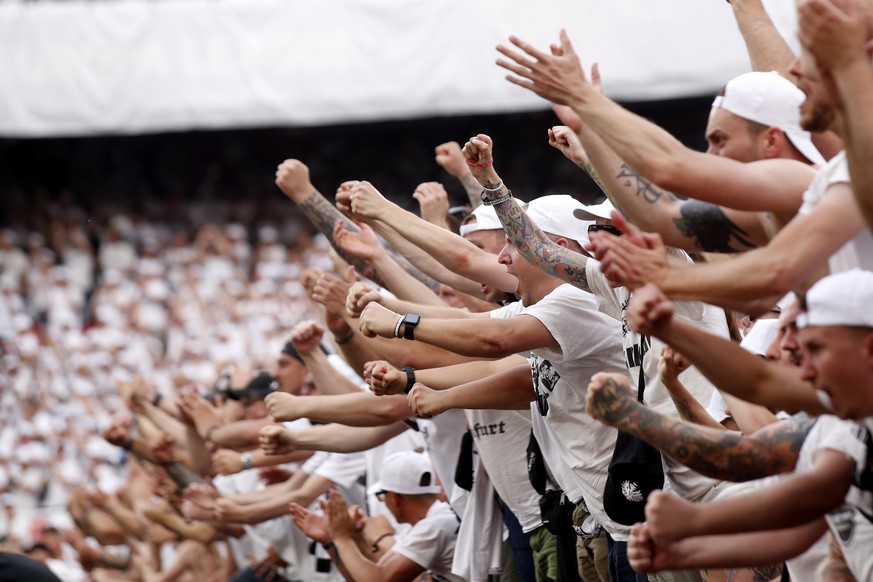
[[472, 188], [645, 188], [711, 229], [592, 173], [715, 453], [324, 215], [538, 248]]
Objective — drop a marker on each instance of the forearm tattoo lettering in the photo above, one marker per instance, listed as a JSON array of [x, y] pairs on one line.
[[645, 188]]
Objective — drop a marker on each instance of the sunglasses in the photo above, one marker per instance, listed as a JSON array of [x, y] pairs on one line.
[[380, 495], [605, 228]]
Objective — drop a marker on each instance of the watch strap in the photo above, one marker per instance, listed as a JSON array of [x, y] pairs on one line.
[[410, 378]]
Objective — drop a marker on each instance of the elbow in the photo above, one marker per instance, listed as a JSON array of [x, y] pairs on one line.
[[495, 347], [780, 279], [391, 410]]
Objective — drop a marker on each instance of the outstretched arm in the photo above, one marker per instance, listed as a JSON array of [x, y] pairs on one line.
[[525, 236], [768, 51], [796, 257], [488, 338], [292, 178], [723, 551], [361, 409], [693, 225], [448, 155], [729, 367], [839, 40], [508, 390], [770, 185], [793, 501], [453, 251], [716, 453], [333, 438]]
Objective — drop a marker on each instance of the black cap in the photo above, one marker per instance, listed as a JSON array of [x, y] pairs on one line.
[[635, 471], [257, 389]]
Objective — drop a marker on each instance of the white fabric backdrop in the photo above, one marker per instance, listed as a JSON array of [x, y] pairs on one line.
[[84, 67]]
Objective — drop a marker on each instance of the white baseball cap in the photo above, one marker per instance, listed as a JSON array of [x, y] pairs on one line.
[[843, 299], [406, 473], [772, 100], [554, 215], [595, 211], [486, 219], [760, 336]]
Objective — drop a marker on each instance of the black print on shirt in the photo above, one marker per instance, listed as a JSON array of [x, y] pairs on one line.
[[843, 521], [545, 378]]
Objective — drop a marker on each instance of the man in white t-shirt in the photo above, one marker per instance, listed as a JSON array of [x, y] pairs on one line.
[[836, 337], [408, 487], [568, 340]]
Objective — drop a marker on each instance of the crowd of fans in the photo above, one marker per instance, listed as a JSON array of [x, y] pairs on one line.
[[505, 390]]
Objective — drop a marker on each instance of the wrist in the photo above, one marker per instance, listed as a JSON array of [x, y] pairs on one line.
[[486, 176]]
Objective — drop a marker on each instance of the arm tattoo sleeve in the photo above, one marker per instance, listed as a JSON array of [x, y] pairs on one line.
[[538, 248], [324, 215], [715, 453], [711, 229]]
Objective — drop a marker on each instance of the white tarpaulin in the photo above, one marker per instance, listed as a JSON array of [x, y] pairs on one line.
[[85, 67]]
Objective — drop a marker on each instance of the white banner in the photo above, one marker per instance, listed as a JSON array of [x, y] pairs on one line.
[[131, 66]]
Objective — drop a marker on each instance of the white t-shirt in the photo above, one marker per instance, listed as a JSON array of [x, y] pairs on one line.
[[347, 472], [858, 252], [442, 437], [502, 437], [590, 342], [852, 523], [430, 543], [646, 350]]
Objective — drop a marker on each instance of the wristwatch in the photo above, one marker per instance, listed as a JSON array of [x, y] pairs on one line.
[[410, 378], [410, 320], [246, 460]]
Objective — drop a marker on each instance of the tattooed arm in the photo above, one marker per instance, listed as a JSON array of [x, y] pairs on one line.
[[531, 242], [292, 177], [712, 452], [692, 225], [773, 185]]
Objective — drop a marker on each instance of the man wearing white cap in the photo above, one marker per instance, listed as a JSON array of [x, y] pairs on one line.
[[407, 485], [836, 337], [569, 341], [829, 229]]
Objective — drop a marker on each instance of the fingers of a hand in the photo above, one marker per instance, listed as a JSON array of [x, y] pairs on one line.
[[529, 48], [523, 72]]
